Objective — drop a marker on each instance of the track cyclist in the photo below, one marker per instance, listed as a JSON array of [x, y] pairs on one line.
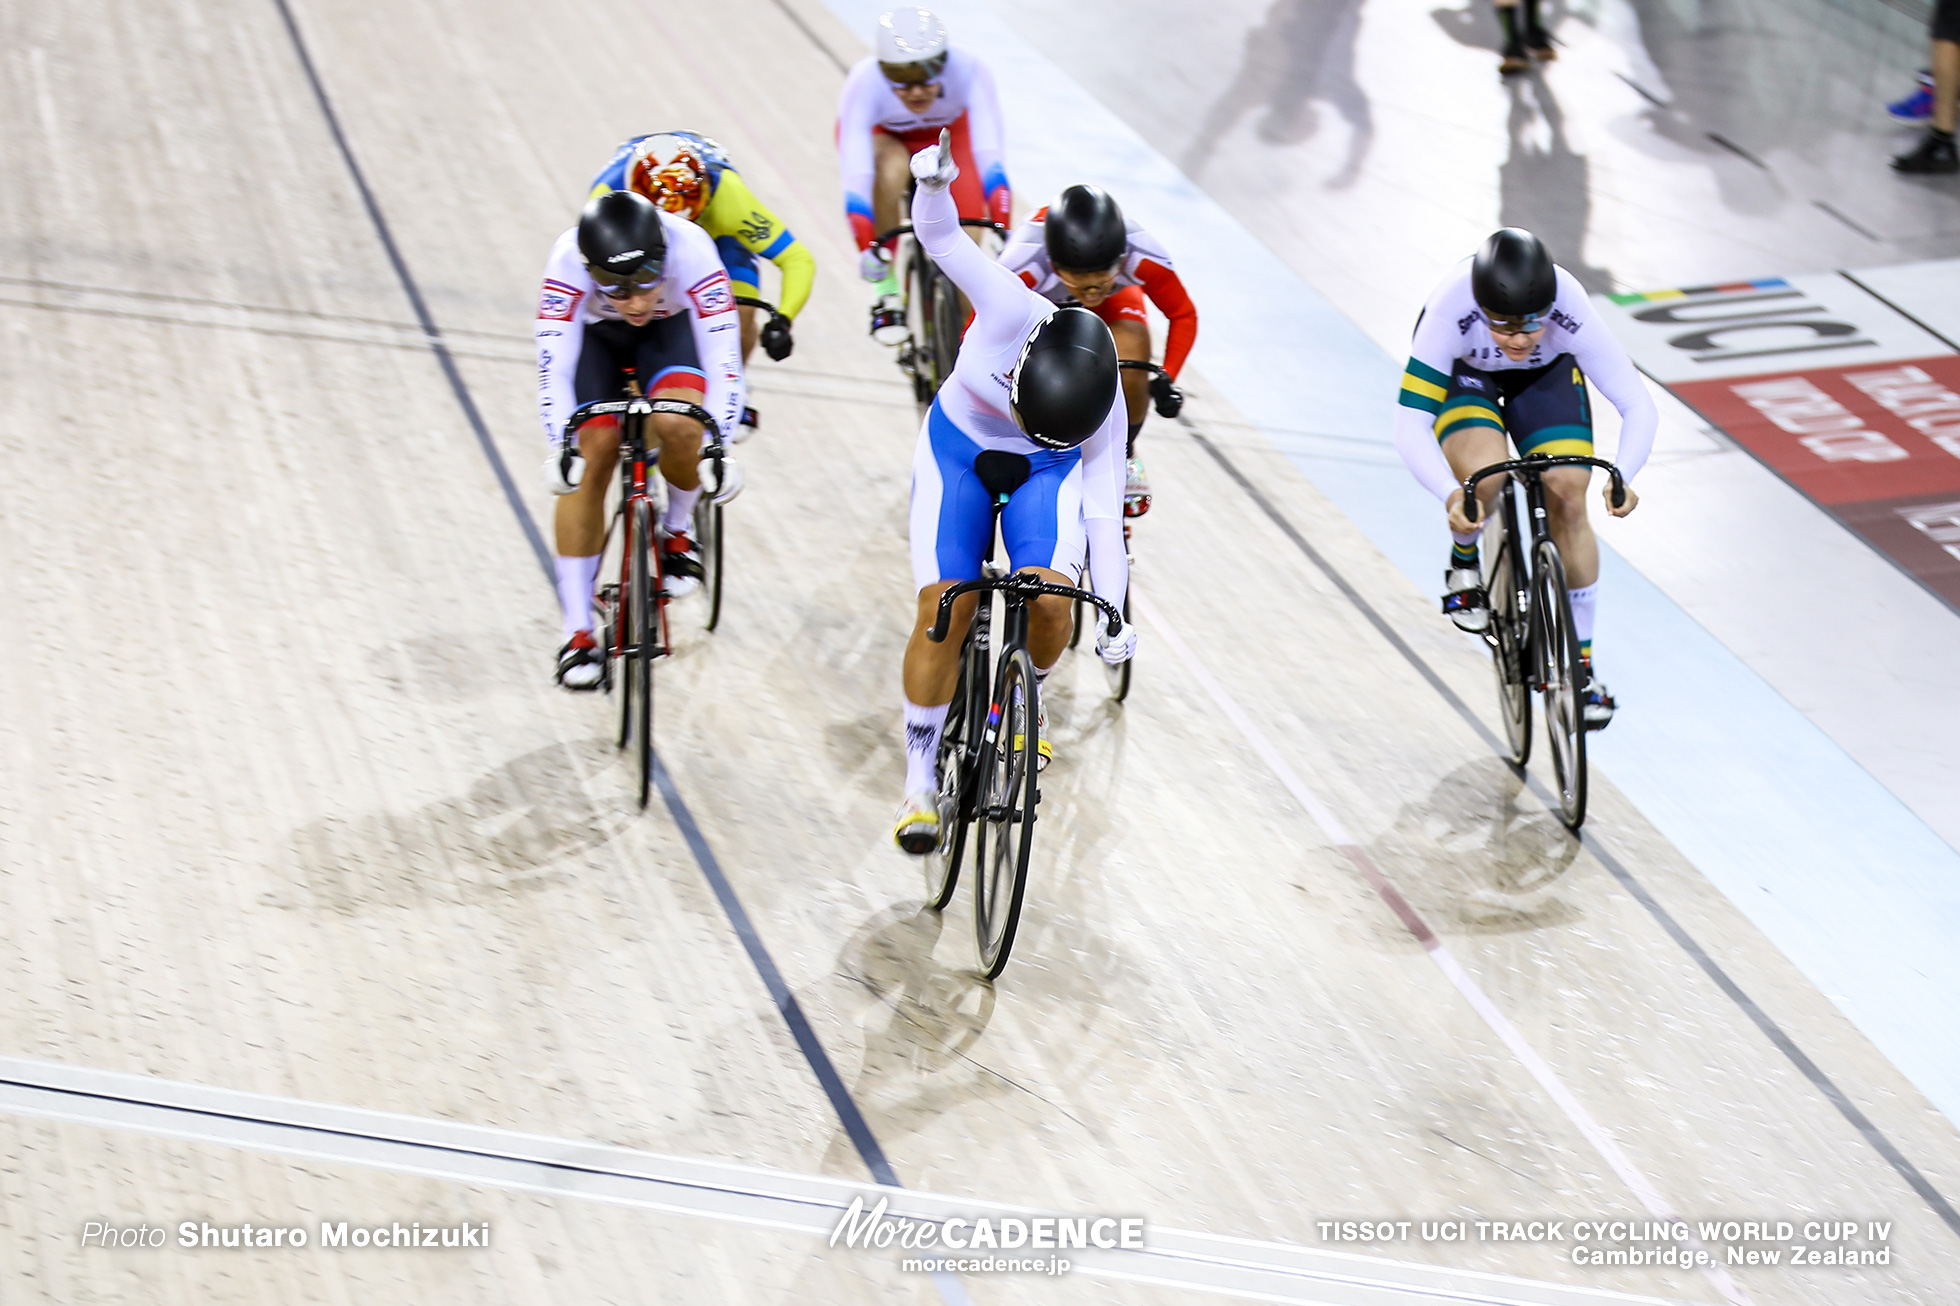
[[1504, 348], [688, 175], [894, 103], [1033, 380], [630, 286], [1080, 249]]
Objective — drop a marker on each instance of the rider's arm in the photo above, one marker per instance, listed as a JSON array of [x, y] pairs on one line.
[[1425, 383], [1604, 361], [1000, 299], [696, 267], [987, 136], [856, 116], [1102, 505], [1160, 281], [736, 212], [560, 333]]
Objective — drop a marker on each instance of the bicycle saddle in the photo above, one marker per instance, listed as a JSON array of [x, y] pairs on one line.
[[1002, 472]]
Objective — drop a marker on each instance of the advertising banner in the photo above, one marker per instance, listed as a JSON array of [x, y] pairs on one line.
[[1847, 398]]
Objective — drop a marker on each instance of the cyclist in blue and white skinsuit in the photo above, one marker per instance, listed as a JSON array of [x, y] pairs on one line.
[[1034, 380]]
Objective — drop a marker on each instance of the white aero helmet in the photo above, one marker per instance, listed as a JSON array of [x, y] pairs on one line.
[[911, 35]]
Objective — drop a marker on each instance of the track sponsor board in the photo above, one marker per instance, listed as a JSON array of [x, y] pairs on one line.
[[1848, 399]]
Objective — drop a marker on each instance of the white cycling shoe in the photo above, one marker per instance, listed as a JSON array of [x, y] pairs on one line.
[[1464, 601]]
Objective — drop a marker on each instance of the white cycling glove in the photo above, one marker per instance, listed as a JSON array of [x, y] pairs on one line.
[[564, 468], [933, 167], [730, 484], [1119, 650], [875, 264]]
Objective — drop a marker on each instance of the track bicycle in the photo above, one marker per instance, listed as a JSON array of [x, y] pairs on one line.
[[634, 608], [988, 764], [935, 314], [1531, 637]]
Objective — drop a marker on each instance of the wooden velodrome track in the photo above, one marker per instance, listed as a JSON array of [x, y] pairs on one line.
[[292, 809]]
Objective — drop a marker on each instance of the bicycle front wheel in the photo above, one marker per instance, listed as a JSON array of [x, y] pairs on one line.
[[1005, 803], [642, 630], [1563, 690], [710, 539], [955, 771], [1508, 633]]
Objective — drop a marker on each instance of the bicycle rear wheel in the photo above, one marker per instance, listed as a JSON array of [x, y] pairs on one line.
[[1509, 625], [1565, 713], [955, 771], [709, 539], [1004, 810], [642, 630]]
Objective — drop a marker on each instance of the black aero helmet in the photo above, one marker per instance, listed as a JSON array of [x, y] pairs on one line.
[[1084, 231], [1513, 276], [1065, 382], [621, 238]]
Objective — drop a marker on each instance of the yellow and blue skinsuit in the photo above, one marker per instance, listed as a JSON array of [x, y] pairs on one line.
[[743, 229]]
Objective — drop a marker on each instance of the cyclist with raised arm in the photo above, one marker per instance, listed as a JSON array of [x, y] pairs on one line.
[[630, 286], [1503, 349], [1036, 381], [686, 174], [895, 103], [1081, 250]]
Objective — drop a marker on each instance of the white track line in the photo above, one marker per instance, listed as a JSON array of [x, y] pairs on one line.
[[783, 1201], [1330, 825]]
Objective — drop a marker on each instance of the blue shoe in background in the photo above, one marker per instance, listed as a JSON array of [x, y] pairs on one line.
[[1918, 106]]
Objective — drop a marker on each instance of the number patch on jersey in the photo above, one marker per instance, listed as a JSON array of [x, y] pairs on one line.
[[558, 301], [711, 295]]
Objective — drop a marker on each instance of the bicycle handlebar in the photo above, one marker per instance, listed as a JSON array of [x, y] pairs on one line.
[[905, 229], [762, 304], [1025, 586], [1141, 365], [1534, 465], [647, 408]]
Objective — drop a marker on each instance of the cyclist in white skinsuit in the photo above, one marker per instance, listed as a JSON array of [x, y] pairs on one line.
[[664, 308], [1034, 380], [1504, 348], [895, 103]]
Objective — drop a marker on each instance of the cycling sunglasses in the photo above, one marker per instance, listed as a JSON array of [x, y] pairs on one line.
[[617, 287], [902, 75], [1515, 326]]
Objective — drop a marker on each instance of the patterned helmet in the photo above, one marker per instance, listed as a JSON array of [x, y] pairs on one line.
[[670, 171]]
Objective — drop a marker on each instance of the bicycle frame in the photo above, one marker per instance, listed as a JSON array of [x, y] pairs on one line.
[[916, 354], [635, 485], [1529, 471]]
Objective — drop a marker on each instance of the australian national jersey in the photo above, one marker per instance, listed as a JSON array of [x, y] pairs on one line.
[[693, 282], [1452, 329], [1145, 263]]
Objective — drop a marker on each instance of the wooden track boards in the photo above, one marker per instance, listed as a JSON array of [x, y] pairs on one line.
[[293, 807]]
